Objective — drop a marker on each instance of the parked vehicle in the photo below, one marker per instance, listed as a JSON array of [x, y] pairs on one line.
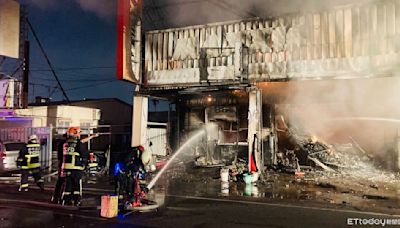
[[9, 154]]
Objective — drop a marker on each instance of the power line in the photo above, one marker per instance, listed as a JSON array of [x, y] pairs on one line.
[[47, 59], [16, 70], [44, 85], [70, 80], [83, 87], [91, 85], [11, 67], [77, 76], [77, 68], [87, 75], [74, 80]]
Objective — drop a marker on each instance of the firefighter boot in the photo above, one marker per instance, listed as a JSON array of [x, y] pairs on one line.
[[23, 189], [67, 200], [41, 186], [77, 200], [54, 200]]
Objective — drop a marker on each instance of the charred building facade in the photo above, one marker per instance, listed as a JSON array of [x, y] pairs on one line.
[[228, 73]]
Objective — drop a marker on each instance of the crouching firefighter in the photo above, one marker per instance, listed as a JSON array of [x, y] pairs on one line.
[[75, 156], [29, 163], [135, 163]]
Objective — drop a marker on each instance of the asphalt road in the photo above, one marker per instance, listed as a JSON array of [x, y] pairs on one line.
[[196, 203], [20, 210]]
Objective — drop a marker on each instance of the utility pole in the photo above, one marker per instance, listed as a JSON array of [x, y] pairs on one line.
[[48, 60], [25, 81]]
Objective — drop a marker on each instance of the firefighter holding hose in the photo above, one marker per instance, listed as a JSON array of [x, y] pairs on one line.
[[60, 184], [129, 172], [75, 157]]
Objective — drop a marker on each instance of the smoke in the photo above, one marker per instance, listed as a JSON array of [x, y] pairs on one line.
[[105, 9], [191, 12], [367, 110], [330, 109], [177, 13], [322, 107]]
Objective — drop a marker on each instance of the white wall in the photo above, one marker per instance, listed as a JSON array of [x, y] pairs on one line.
[[78, 115], [9, 27], [158, 137], [38, 115], [43, 116]]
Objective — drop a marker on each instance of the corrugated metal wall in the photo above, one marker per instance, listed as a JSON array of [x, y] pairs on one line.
[[158, 137], [352, 41], [180, 50], [357, 40]]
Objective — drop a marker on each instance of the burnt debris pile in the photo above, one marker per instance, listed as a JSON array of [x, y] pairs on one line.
[[349, 160]]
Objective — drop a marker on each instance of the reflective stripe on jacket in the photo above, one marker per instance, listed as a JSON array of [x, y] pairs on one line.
[[71, 157], [32, 157]]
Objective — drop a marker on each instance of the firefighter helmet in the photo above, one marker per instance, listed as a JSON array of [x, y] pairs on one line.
[[33, 138], [145, 155], [74, 131], [141, 148]]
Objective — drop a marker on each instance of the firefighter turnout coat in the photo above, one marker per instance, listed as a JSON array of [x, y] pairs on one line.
[[29, 156]]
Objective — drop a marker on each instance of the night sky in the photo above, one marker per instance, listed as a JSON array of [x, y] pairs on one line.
[[75, 38]]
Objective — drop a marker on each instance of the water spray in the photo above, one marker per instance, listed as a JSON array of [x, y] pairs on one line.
[[191, 140]]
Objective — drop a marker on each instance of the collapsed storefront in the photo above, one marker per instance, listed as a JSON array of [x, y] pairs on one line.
[[225, 73], [233, 74]]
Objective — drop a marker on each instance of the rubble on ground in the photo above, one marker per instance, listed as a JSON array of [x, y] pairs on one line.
[[237, 168], [202, 161], [349, 161]]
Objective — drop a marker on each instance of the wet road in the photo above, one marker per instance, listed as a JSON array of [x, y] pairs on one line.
[[195, 198], [20, 210]]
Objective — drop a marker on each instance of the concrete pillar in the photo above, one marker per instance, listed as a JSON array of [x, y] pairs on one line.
[[139, 120], [397, 150], [178, 110], [49, 145], [255, 127]]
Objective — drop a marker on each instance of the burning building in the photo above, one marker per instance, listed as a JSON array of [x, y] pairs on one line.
[[245, 75]]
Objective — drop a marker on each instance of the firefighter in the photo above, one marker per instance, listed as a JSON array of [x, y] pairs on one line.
[[75, 157], [28, 161], [57, 195], [92, 164], [135, 164], [61, 175]]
